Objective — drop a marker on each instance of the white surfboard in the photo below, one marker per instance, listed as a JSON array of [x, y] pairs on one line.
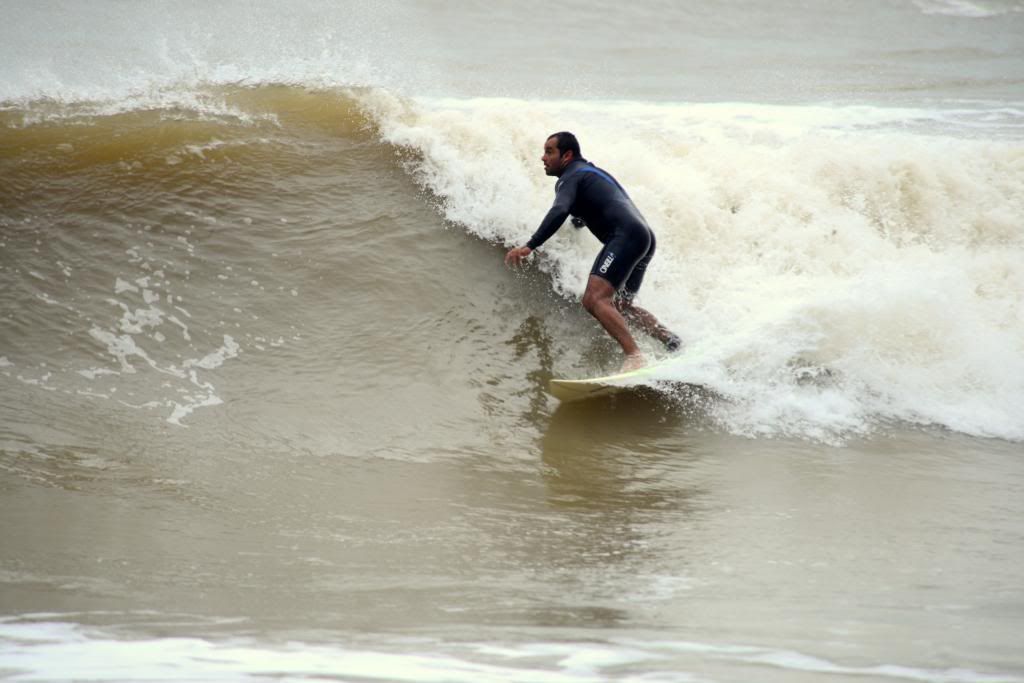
[[578, 389]]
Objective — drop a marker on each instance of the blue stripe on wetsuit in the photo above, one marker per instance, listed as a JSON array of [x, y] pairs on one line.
[[602, 174]]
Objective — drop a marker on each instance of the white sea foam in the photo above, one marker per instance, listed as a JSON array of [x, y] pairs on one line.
[[52, 650], [215, 359], [837, 271], [193, 393], [970, 9], [120, 287], [192, 402], [126, 345]]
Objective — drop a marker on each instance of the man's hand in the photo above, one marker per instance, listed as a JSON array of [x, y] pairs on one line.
[[515, 257]]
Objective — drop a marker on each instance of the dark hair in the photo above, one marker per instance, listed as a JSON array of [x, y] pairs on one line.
[[567, 142]]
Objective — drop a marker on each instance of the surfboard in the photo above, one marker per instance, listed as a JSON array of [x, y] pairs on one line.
[[567, 390]]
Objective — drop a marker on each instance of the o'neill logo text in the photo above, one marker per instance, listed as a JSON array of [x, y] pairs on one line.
[[607, 262]]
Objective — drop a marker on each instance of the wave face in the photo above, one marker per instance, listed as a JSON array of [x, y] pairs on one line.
[[838, 267]]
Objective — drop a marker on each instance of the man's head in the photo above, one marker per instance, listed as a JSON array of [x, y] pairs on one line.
[[560, 149]]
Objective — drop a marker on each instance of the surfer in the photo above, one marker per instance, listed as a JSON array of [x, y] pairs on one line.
[[595, 199]]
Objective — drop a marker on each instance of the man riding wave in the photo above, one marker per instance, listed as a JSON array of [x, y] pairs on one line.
[[593, 197]]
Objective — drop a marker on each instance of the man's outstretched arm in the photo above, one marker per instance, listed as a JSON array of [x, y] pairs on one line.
[[565, 194]]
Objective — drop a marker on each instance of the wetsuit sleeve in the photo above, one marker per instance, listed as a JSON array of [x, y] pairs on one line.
[[565, 195]]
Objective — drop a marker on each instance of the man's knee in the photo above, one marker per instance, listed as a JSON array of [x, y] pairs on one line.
[[597, 294]]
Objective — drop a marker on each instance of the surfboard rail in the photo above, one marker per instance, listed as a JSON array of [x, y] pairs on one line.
[[567, 390]]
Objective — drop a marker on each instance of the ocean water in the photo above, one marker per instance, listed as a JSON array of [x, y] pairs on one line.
[[273, 408]]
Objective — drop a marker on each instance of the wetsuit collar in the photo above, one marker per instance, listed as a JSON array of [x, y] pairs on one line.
[[573, 165]]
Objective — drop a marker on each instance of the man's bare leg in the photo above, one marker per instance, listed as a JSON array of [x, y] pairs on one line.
[[598, 300], [643, 319]]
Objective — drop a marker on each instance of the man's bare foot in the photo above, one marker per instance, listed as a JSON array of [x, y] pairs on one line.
[[634, 361]]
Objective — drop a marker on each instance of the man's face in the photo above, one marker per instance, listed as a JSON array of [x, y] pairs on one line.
[[553, 160]]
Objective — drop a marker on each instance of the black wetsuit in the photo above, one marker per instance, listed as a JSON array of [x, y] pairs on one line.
[[591, 194]]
